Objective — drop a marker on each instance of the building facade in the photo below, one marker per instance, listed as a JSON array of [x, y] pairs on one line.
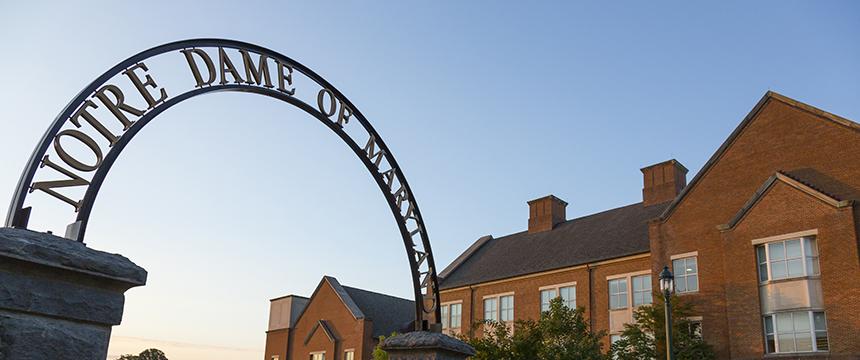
[[763, 241], [336, 323]]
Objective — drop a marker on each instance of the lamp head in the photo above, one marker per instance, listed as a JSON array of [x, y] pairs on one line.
[[667, 281]]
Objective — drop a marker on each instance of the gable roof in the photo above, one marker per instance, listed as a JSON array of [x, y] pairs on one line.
[[387, 313], [327, 330], [602, 236], [768, 96], [790, 181]]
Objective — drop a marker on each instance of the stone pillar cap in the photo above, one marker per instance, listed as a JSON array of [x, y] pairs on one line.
[[427, 340], [56, 252]]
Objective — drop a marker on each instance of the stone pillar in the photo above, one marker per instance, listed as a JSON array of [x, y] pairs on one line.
[[58, 298], [422, 345]]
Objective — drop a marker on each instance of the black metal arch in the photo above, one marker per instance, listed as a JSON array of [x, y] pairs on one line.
[[420, 256]]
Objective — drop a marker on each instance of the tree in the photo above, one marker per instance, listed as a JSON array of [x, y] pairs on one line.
[[148, 354], [646, 337], [378, 353], [561, 333]]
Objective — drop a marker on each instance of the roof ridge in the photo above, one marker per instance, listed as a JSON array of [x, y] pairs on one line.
[[769, 95], [376, 293]]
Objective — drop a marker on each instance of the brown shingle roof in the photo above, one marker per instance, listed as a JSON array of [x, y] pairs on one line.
[[606, 235]]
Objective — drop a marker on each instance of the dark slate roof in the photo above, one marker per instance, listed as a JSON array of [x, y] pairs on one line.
[[606, 235], [388, 313]]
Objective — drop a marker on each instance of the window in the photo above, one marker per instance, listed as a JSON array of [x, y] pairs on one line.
[[798, 331], [318, 355], [349, 355], [695, 324], [787, 259], [491, 310], [686, 274], [275, 357], [451, 317], [614, 339], [641, 290], [545, 297], [566, 292], [617, 294], [499, 308], [507, 308]]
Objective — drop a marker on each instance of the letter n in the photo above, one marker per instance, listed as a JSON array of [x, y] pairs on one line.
[[48, 186]]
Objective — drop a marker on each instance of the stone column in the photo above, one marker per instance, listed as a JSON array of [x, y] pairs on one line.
[[422, 345], [58, 298]]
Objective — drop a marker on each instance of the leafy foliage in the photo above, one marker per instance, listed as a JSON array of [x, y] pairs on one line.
[[148, 354], [561, 333], [378, 353], [646, 337]]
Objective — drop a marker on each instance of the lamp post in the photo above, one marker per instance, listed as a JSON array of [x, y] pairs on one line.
[[667, 285]]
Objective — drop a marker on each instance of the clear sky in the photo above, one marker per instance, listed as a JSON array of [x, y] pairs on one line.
[[229, 200]]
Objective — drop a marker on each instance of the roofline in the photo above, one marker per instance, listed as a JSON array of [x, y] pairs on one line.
[[633, 256], [378, 293], [788, 180], [332, 281], [477, 245], [769, 95], [290, 295]]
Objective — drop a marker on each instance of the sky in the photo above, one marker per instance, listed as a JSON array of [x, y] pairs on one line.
[[229, 200]]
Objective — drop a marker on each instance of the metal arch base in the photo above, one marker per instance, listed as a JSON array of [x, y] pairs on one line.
[[420, 256]]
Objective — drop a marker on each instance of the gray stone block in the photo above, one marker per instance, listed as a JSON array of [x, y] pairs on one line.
[[423, 345]]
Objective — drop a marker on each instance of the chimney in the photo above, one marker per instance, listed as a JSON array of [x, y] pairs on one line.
[[663, 182], [545, 213]]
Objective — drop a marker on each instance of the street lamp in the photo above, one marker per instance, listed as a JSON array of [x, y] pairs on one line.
[[667, 285]]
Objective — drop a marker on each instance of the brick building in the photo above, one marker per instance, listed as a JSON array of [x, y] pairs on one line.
[[336, 323], [763, 241]]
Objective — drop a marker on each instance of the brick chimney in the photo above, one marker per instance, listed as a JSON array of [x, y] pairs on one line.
[[663, 182], [545, 213]]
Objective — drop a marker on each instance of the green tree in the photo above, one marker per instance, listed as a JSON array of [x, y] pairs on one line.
[[378, 353], [646, 337], [561, 333], [148, 354]]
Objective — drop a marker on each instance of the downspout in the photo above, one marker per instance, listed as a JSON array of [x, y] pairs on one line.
[[471, 310], [590, 296]]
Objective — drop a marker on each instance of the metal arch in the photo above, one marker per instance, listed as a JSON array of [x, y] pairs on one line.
[[17, 214]]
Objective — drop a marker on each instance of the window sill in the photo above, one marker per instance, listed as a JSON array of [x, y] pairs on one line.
[[687, 293], [769, 282], [796, 354]]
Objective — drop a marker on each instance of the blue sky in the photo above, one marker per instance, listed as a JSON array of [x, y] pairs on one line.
[[231, 199]]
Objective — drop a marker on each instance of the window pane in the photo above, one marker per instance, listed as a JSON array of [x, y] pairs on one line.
[[490, 309], [821, 341], [678, 266], [762, 272], [820, 322], [771, 344], [795, 267], [786, 343], [792, 249], [692, 266], [456, 313], [784, 324], [804, 341], [776, 251], [768, 324], [801, 321], [680, 284], [545, 297], [507, 308], [811, 247], [693, 283], [778, 270], [812, 266], [568, 295], [444, 316], [761, 254]]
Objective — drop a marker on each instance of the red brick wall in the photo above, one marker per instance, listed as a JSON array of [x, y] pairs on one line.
[[780, 137], [527, 294]]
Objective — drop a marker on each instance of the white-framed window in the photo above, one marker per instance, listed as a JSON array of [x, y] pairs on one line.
[[641, 289], [318, 355], [686, 271], [695, 326], [787, 259], [796, 331], [491, 309], [567, 293], [275, 357], [618, 293], [349, 354], [452, 317], [499, 308]]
